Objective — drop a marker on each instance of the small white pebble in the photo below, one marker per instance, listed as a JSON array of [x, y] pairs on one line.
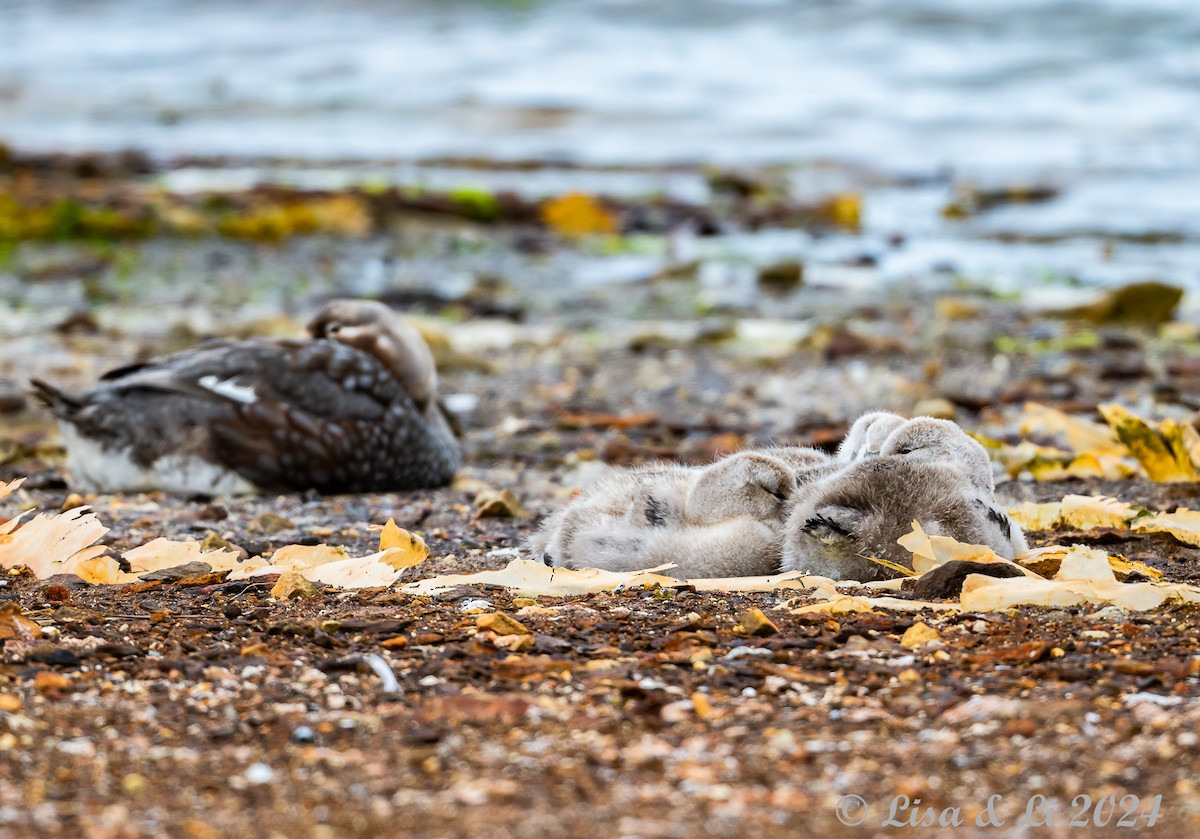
[[260, 773]]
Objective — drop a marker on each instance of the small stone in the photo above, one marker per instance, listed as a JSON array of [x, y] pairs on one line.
[[501, 624], [264, 524], [500, 504], [303, 734], [133, 783], [754, 622], [177, 573], [293, 586], [213, 542], [979, 627], [9, 703], [254, 650], [781, 277], [917, 634], [260, 773], [946, 580], [72, 501], [48, 682], [522, 602], [397, 643]]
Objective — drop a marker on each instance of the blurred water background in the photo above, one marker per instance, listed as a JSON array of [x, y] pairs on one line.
[[898, 99]]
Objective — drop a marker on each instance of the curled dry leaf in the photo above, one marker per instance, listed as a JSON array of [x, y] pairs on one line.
[[46, 542], [1089, 511], [531, 577], [401, 548], [1047, 561], [1080, 435], [988, 594], [1033, 516], [1085, 575], [1183, 524], [164, 553], [7, 488], [14, 624], [931, 551], [328, 564], [1166, 453]]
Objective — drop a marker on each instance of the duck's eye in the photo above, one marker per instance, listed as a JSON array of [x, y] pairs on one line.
[[906, 450], [781, 496], [332, 328]]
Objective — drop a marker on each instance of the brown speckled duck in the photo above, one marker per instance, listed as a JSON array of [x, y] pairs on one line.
[[354, 409]]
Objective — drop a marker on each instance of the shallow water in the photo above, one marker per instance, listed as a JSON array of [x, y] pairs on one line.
[[1099, 98]]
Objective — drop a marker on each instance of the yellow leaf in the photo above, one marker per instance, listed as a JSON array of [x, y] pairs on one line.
[[1085, 512], [164, 553], [1032, 516], [1164, 456], [525, 575], [10, 487], [1083, 563], [931, 551], [1183, 524], [47, 541], [1047, 562], [987, 594], [1080, 435], [846, 210], [577, 214], [401, 548]]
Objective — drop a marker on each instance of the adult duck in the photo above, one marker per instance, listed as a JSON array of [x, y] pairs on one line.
[[353, 409]]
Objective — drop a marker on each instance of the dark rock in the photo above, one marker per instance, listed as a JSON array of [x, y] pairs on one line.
[[946, 581]]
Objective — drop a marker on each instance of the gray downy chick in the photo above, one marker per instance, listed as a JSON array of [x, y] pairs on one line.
[[866, 435], [862, 511], [721, 520]]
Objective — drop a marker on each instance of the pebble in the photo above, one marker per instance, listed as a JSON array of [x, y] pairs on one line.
[[260, 773]]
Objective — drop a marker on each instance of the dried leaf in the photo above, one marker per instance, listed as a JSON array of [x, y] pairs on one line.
[[46, 541], [1083, 563], [10, 487], [1047, 561], [14, 624], [1183, 524], [578, 214], [1080, 435], [1085, 512], [164, 553], [1032, 516], [356, 572], [1163, 453], [986, 594], [401, 548], [931, 551], [534, 578]]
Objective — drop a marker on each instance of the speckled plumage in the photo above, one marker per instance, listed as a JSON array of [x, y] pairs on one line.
[[280, 414]]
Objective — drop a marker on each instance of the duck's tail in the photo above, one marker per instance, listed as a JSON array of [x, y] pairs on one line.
[[62, 405]]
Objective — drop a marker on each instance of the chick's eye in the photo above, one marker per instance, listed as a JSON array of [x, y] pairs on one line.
[[781, 496], [333, 328], [823, 524], [906, 450]]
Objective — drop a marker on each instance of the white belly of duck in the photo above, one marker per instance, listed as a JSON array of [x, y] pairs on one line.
[[102, 470]]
